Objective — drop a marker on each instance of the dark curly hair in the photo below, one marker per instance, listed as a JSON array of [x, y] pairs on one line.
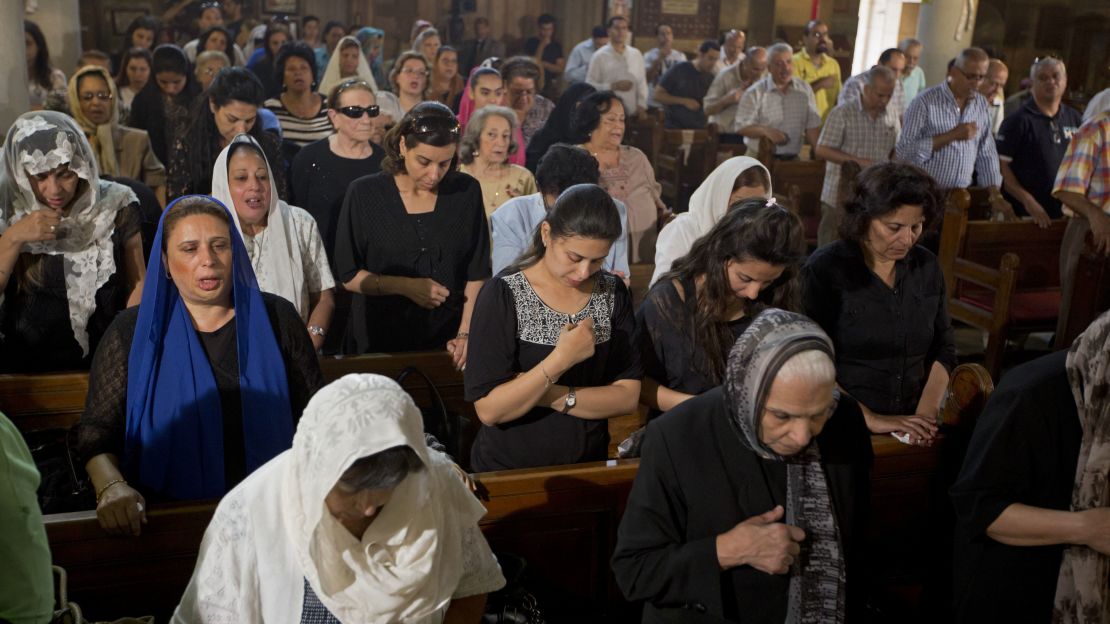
[[884, 188], [294, 49], [442, 129], [750, 230], [563, 166], [229, 49], [584, 210], [588, 116]]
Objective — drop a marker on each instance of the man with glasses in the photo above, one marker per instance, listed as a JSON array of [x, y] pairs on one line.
[[620, 68], [814, 65], [947, 132], [992, 88], [779, 107], [1033, 140]]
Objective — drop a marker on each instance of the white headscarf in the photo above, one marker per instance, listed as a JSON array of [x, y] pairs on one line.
[[39, 142], [275, 253], [331, 74], [409, 562], [707, 205]]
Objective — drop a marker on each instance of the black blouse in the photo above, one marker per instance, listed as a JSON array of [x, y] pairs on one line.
[[512, 331], [696, 481], [665, 338], [1024, 450], [37, 334], [886, 338], [103, 424], [449, 245]]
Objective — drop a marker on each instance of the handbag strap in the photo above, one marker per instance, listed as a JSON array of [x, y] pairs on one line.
[[450, 427]]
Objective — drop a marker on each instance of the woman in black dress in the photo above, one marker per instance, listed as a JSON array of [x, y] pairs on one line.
[[412, 242], [690, 318], [881, 297], [552, 354]]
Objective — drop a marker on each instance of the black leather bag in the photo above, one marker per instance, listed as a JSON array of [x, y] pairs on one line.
[[447, 427], [63, 486], [512, 604]]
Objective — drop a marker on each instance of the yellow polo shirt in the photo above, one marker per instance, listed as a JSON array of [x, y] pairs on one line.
[[807, 70]]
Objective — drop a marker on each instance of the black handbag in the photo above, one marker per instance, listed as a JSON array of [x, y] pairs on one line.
[[447, 427], [513, 603], [62, 488]]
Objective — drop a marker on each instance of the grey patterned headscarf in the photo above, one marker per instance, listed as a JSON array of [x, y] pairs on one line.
[[817, 580]]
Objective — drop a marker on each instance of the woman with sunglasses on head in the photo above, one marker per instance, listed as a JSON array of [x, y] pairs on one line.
[[410, 81], [323, 170], [412, 242]]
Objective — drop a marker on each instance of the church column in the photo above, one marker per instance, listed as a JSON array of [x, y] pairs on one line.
[[944, 27], [13, 71]]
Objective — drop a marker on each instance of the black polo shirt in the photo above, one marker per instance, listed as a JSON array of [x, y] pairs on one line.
[[684, 80], [1033, 144]]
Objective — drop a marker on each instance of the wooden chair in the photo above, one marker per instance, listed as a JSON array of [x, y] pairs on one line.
[[685, 159], [800, 181], [1001, 277], [645, 135], [1089, 299]]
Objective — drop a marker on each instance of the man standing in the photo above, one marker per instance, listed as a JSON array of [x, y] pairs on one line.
[[913, 77], [859, 131], [548, 54], [732, 49], [1032, 143], [947, 132], [682, 88], [993, 89], [894, 60], [659, 60], [780, 106], [729, 86], [480, 48], [580, 56], [814, 65], [619, 67]]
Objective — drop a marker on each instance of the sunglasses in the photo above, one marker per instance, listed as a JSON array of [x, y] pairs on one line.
[[103, 96], [356, 112]]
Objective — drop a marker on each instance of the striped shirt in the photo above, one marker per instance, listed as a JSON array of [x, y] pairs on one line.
[[935, 111], [1086, 166], [853, 130], [791, 112], [300, 130]]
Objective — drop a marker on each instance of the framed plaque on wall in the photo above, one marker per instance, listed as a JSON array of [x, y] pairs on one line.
[[693, 21]]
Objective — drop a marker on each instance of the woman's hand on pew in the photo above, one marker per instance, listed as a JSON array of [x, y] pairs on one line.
[[121, 510], [921, 428]]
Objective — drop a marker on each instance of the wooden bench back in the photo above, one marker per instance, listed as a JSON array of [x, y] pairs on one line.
[[1090, 298]]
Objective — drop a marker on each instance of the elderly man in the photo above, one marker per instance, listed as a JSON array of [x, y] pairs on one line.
[[913, 77], [947, 132], [732, 49], [780, 107], [734, 483], [814, 65], [1100, 102], [580, 55], [858, 131], [620, 68], [728, 87], [992, 88], [894, 60], [682, 88], [1032, 143], [661, 59]]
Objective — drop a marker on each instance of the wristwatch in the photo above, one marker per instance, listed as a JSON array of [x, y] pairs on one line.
[[316, 330], [572, 399]]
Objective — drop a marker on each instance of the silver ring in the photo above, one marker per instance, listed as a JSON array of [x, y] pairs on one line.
[[53, 227], [140, 506]]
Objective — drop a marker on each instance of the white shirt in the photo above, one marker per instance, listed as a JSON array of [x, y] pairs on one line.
[[673, 58], [791, 112], [579, 61], [608, 66]]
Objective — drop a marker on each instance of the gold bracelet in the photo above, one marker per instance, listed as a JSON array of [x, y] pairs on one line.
[[104, 489]]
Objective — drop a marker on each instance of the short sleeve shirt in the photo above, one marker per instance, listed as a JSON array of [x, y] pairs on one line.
[[1034, 144], [1086, 166], [807, 70], [851, 129], [684, 80], [792, 112]]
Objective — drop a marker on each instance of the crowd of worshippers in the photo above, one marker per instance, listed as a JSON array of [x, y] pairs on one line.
[[196, 225]]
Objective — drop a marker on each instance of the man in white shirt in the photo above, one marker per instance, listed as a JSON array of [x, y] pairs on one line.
[[619, 67], [780, 107], [658, 60], [993, 89], [732, 49], [579, 60]]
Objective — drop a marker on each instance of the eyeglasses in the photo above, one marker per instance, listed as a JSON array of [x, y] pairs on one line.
[[103, 96], [971, 77], [434, 123], [414, 72], [356, 112], [209, 5]]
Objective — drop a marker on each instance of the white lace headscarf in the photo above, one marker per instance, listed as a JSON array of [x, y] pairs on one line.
[[409, 561], [39, 142]]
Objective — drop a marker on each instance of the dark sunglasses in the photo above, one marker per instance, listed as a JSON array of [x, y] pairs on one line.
[[356, 112]]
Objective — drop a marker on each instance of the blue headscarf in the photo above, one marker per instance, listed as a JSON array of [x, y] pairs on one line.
[[174, 442]]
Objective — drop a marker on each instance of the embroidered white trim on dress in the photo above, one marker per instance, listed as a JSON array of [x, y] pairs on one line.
[[539, 324]]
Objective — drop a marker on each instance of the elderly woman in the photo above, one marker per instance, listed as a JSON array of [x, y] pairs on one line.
[[71, 256], [737, 178], [446, 85], [881, 297], [119, 150], [359, 522], [735, 482], [688, 321], [552, 354], [301, 111], [209, 64], [484, 152], [282, 241], [409, 78], [427, 43], [625, 171], [1032, 507], [522, 83], [249, 365], [413, 243], [347, 63], [485, 88], [135, 71]]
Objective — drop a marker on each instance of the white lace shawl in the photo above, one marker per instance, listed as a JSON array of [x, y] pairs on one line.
[[42, 141]]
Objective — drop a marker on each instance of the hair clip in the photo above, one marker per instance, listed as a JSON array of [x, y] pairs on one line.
[[771, 202]]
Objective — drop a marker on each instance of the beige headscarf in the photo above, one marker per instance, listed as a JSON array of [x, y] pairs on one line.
[[101, 137], [409, 562], [331, 74]]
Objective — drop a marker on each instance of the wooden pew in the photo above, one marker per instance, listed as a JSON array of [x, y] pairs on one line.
[[800, 181], [685, 159], [1001, 277], [1090, 298], [645, 135]]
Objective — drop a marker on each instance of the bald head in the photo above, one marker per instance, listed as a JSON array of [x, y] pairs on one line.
[[997, 75]]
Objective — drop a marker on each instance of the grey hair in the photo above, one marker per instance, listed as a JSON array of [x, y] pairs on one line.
[[754, 51], [472, 138], [1048, 60], [206, 56], [877, 72], [908, 43], [383, 470], [779, 48], [424, 34], [971, 55], [811, 365]]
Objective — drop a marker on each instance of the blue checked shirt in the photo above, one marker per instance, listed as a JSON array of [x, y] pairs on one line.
[[934, 111]]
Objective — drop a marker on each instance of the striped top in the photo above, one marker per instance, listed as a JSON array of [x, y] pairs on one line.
[[301, 130]]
